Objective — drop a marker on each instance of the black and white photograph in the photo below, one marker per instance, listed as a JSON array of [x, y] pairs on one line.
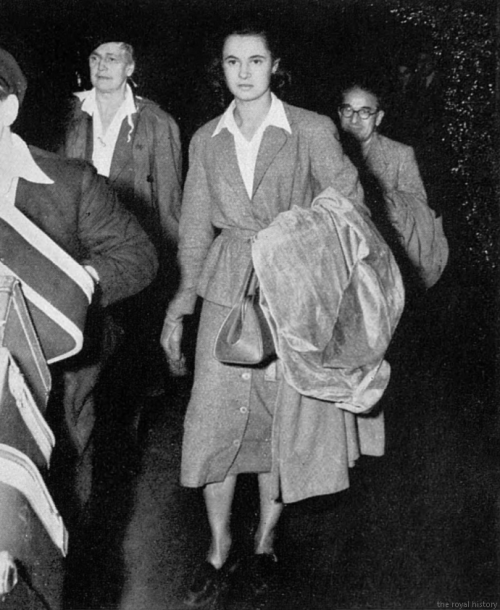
[[249, 304]]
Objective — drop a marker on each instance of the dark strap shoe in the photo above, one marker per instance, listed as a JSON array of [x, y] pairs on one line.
[[207, 588], [262, 573]]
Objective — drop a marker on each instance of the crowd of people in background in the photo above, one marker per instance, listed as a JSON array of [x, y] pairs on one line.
[[257, 160], [417, 99]]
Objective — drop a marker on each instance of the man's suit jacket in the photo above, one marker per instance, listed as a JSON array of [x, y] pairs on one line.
[[291, 169], [420, 233], [82, 215]]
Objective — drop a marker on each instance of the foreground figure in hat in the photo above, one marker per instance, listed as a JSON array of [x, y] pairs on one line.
[[74, 206]]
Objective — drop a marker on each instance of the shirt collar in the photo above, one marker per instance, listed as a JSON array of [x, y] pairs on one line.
[[21, 164], [89, 104], [276, 117]]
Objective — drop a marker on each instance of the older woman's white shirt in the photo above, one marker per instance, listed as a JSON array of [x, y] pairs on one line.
[[105, 141]]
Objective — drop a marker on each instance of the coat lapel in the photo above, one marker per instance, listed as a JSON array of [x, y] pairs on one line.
[[227, 162], [273, 141], [123, 149], [377, 157], [80, 142]]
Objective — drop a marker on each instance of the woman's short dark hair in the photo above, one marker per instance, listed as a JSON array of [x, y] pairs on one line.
[[280, 80]]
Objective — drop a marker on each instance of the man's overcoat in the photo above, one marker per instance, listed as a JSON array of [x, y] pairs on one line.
[[82, 215], [419, 231]]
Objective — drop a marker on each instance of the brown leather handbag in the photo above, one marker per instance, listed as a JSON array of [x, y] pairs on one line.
[[245, 338]]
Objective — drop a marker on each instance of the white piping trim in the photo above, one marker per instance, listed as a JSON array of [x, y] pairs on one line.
[[60, 319], [18, 471], [28, 409], [66, 263], [54, 314], [10, 285], [49, 248]]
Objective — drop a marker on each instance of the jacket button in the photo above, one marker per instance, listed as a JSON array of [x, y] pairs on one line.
[[243, 410], [245, 376]]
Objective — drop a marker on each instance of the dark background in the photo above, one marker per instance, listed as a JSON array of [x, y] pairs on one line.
[[430, 513], [324, 41]]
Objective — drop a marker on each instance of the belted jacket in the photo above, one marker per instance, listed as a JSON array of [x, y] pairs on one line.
[[219, 218]]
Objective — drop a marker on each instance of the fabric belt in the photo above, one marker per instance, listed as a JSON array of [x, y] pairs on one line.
[[240, 234]]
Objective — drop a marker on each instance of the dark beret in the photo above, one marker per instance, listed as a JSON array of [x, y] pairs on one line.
[[12, 79], [115, 34]]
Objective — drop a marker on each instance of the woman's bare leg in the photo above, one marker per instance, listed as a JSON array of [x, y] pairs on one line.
[[218, 500], [270, 512]]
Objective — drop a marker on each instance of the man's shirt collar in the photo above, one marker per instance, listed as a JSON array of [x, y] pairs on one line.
[[276, 117]]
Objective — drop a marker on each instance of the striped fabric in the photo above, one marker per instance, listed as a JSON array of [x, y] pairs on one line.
[[57, 289]]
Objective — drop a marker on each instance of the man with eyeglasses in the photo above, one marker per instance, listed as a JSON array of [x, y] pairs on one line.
[[390, 171]]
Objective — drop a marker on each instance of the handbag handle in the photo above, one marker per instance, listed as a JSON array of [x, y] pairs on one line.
[[248, 285]]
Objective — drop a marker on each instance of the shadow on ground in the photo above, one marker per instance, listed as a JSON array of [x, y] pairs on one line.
[[415, 530]]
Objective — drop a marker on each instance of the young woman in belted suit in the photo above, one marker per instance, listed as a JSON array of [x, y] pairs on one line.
[[260, 158]]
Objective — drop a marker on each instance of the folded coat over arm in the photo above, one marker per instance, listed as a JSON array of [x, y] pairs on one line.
[[333, 295]]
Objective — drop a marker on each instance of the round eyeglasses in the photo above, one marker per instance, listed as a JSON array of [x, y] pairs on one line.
[[364, 113]]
